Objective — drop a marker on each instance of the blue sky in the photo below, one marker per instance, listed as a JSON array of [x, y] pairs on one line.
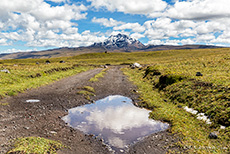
[[33, 25]]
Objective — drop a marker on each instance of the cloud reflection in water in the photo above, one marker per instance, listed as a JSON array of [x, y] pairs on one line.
[[115, 119]]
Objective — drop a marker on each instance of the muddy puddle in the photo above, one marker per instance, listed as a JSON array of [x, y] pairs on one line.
[[115, 120]]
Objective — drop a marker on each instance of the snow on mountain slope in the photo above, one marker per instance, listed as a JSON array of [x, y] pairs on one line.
[[120, 41]]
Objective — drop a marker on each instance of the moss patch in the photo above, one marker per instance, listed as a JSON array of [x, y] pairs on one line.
[[4, 104], [85, 93], [36, 145]]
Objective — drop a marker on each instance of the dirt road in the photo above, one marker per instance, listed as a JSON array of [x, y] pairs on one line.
[[43, 119]]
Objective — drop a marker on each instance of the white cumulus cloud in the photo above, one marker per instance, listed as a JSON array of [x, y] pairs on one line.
[[41, 25], [136, 27], [130, 6], [200, 9], [137, 35], [57, 1], [38, 23], [67, 12], [107, 22]]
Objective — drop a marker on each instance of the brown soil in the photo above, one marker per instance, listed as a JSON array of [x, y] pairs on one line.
[[43, 119]]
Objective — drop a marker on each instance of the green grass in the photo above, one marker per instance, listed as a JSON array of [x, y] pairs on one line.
[[206, 96], [85, 93], [211, 100], [97, 76], [179, 85], [20, 78], [215, 68], [35, 145], [194, 133], [214, 64], [153, 57], [4, 104], [88, 88]]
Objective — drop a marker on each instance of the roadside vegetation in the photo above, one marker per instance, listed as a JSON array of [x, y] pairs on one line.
[[25, 75], [87, 91], [193, 132], [88, 88], [97, 76], [36, 145], [168, 82], [167, 87]]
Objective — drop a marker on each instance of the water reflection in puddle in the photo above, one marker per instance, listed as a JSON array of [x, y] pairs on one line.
[[32, 101], [114, 119]]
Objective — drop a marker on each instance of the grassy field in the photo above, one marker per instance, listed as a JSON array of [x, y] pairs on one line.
[[169, 84], [27, 74], [193, 133]]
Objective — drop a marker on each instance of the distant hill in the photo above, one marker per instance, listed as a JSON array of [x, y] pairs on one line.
[[59, 52], [115, 43], [178, 47]]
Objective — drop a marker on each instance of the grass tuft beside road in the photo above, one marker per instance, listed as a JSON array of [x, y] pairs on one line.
[[97, 76], [36, 145], [87, 92], [88, 88]]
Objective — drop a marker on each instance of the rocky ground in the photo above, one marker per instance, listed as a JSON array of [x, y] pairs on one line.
[[43, 119]]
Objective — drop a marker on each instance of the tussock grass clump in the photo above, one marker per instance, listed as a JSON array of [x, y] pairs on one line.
[[4, 104], [53, 70], [169, 79], [87, 92], [88, 88], [36, 145], [97, 76], [161, 81], [151, 71]]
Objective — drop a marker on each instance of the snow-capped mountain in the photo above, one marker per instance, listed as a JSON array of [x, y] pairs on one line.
[[115, 43], [120, 41]]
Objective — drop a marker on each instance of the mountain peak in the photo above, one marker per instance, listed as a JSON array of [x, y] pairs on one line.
[[121, 41]]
